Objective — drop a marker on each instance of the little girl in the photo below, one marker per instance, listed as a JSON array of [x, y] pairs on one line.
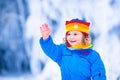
[[76, 58]]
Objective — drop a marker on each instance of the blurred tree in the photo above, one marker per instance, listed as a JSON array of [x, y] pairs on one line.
[[13, 52]]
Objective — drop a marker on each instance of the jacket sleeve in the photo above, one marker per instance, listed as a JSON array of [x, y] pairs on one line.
[[98, 70], [50, 49]]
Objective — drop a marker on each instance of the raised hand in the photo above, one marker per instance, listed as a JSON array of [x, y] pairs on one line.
[[45, 31]]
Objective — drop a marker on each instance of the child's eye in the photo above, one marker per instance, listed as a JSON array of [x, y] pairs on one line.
[[68, 34], [75, 34]]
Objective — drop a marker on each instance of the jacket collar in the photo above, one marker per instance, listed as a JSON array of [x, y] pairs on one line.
[[80, 51]]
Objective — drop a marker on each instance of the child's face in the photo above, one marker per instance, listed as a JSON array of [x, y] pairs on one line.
[[74, 37]]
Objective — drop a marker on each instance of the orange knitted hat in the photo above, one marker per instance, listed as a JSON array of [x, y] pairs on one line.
[[76, 24]]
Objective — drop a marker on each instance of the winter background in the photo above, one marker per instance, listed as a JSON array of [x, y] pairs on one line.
[[21, 57]]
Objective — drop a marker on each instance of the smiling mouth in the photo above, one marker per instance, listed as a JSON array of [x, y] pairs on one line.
[[72, 41]]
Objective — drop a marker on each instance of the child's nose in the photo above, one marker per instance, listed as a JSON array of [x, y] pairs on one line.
[[72, 37]]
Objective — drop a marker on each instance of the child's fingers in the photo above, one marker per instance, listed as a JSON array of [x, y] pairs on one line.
[[42, 27], [46, 26]]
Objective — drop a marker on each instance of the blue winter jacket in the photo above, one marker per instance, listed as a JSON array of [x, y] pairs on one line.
[[84, 64]]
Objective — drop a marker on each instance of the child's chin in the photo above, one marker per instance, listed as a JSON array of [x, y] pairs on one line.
[[73, 44]]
